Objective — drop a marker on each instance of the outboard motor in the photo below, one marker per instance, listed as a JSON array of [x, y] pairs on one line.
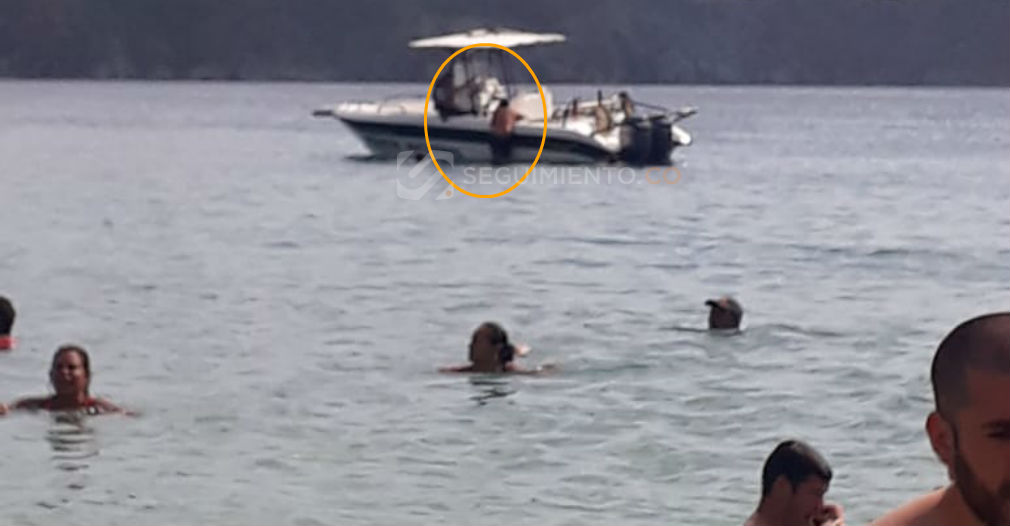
[[636, 140], [662, 140]]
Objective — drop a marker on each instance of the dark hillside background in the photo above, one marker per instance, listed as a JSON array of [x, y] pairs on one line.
[[897, 42]]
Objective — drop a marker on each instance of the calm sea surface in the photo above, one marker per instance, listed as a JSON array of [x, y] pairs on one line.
[[276, 313]]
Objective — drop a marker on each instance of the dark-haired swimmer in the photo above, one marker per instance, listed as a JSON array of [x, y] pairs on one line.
[[7, 315], [724, 313], [70, 375], [491, 352]]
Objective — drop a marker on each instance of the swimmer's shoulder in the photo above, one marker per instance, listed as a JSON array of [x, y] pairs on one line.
[[921, 511], [457, 369], [101, 405], [30, 404]]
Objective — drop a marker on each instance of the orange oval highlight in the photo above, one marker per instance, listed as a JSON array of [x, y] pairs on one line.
[[427, 98]]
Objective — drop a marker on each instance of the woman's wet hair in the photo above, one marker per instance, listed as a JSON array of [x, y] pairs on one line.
[[64, 349], [500, 339]]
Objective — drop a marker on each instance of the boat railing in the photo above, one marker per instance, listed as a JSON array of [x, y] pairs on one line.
[[386, 106], [677, 115], [577, 106], [390, 104]]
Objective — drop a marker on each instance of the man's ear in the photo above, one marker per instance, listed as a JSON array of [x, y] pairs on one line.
[[941, 437], [781, 487]]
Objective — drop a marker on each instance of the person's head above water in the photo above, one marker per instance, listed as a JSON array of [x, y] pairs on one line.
[[70, 375], [794, 480], [970, 427], [490, 349], [7, 315], [492, 352], [724, 313], [70, 372]]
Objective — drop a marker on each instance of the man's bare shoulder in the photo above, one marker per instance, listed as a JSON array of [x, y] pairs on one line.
[[921, 511]]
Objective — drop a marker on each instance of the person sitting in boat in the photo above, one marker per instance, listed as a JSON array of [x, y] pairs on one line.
[[491, 352], [444, 91], [627, 106], [457, 93], [70, 375], [453, 97], [503, 123], [602, 119], [488, 91]]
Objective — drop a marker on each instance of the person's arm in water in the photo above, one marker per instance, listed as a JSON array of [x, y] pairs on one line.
[[522, 350], [457, 369], [101, 406], [541, 369], [105, 406], [29, 404]]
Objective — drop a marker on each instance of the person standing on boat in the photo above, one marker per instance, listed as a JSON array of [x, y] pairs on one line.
[[503, 123], [444, 94], [627, 106]]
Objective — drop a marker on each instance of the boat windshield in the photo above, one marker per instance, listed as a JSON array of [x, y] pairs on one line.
[[471, 84]]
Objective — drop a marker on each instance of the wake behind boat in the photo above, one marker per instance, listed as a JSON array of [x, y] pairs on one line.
[[606, 129]]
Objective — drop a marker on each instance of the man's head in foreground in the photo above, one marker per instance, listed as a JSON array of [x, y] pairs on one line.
[[793, 483], [970, 426]]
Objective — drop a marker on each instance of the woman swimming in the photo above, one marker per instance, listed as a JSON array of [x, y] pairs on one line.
[[70, 375], [491, 352]]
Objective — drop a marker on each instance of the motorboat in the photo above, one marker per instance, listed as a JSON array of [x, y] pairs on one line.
[[603, 129]]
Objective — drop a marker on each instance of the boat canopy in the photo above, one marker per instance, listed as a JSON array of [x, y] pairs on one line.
[[503, 37]]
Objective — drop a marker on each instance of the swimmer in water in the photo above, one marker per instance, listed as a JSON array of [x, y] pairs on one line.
[[7, 315], [491, 352], [70, 375], [724, 313]]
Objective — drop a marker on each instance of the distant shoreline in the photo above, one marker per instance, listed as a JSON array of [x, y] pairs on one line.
[[183, 80]]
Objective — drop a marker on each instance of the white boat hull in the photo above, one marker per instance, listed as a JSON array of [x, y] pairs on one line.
[[468, 139], [394, 126], [462, 101]]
